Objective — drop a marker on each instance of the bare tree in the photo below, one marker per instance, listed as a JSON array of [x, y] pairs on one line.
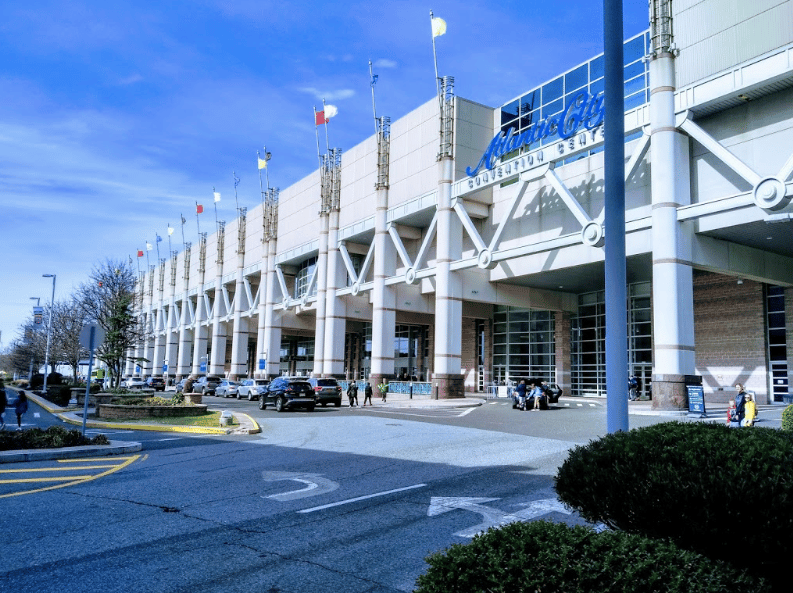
[[109, 299], [68, 320]]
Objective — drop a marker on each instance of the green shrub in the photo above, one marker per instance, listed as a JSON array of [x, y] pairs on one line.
[[550, 557], [787, 418], [722, 492], [53, 437], [95, 388], [178, 398]]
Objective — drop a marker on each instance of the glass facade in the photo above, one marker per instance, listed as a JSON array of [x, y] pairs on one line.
[[777, 343], [523, 344], [303, 277], [588, 340]]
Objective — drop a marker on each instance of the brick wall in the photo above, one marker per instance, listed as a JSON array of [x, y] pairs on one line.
[[730, 336]]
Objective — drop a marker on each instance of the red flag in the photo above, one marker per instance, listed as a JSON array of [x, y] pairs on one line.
[[140, 252], [320, 118], [199, 209]]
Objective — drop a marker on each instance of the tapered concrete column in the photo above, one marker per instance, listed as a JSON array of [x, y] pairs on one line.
[[272, 320], [218, 353], [322, 283], [335, 312], [261, 345], [447, 377], [239, 344], [673, 300], [200, 330], [171, 333], [383, 297], [185, 340]]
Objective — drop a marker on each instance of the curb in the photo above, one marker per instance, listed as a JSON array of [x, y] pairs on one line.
[[114, 448]]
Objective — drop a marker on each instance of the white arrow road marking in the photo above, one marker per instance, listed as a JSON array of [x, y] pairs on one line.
[[492, 517], [315, 485]]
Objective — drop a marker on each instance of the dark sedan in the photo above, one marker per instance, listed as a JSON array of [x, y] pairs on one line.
[[287, 393]]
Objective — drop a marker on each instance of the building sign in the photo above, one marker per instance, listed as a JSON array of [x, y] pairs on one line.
[[38, 316], [578, 127]]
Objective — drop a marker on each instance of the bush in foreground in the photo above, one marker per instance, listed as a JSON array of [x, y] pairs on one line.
[[550, 557], [52, 438], [725, 493], [787, 418]]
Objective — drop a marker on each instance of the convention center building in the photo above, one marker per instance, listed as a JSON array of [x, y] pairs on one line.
[[461, 247]]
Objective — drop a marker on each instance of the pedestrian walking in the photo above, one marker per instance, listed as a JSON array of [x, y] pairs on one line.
[[21, 407], [751, 411], [633, 387], [383, 387], [520, 395], [3, 404], [740, 402], [352, 393], [367, 393]]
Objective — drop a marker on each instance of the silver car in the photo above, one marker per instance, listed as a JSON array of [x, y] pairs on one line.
[[226, 388], [252, 388]]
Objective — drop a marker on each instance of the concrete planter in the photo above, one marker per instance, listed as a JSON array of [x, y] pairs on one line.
[[142, 412], [193, 398]]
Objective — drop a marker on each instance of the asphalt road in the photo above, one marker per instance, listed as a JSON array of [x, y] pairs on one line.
[[335, 500]]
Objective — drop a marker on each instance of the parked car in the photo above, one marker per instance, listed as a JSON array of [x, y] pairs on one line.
[[133, 383], [156, 383], [207, 384], [180, 386], [287, 393], [226, 388], [252, 388], [328, 391]]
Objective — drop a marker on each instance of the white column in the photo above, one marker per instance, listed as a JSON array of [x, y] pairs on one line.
[[447, 370], [272, 320], [217, 362], [200, 331], [383, 297], [239, 344], [335, 318], [322, 282], [261, 346], [673, 301], [185, 339], [171, 334]]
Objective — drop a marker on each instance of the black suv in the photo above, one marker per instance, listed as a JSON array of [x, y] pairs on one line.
[[287, 393], [156, 383], [328, 391], [206, 385]]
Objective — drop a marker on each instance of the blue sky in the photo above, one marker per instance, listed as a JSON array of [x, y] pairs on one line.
[[116, 117]]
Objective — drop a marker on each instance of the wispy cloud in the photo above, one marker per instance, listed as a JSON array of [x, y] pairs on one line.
[[385, 63], [131, 79], [327, 94]]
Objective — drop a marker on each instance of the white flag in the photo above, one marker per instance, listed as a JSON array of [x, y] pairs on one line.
[[170, 230], [217, 196], [149, 246], [438, 27], [330, 111]]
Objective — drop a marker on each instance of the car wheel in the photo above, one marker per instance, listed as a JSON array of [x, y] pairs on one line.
[[250, 397], [279, 404], [262, 405], [310, 408], [323, 404], [338, 404]]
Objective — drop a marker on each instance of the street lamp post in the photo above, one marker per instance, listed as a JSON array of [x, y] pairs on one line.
[[33, 327], [49, 329]]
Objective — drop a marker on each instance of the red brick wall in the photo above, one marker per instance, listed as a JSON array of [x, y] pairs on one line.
[[730, 336]]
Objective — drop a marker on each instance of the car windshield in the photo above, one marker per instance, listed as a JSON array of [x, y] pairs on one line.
[[327, 382], [261, 382]]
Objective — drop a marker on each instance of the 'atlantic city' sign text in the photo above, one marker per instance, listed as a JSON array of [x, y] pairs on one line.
[[583, 111]]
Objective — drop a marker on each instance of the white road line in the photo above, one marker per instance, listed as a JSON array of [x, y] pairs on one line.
[[341, 502]]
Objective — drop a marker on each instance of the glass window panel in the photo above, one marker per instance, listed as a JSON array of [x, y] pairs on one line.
[[576, 79], [499, 328], [776, 303], [529, 118], [552, 108], [634, 101], [778, 352], [776, 291], [552, 91], [634, 85], [518, 316], [530, 102], [776, 320], [596, 68], [510, 111], [633, 70], [633, 50], [597, 86]]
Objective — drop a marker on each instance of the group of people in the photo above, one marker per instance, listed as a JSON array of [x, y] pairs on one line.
[[20, 407], [743, 409], [352, 392], [524, 393]]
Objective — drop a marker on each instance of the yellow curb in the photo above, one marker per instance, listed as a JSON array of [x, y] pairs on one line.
[[256, 428]]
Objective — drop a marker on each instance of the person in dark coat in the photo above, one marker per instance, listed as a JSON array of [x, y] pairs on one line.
[[367, 393], [21, 407], [740, 402], [3, 404], [352, 393]]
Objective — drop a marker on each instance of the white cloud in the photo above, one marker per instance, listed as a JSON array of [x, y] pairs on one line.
[[328, 95], [384, 63]]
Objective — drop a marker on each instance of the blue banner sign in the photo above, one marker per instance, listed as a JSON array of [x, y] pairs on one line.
[[584, 111], [696, 399]]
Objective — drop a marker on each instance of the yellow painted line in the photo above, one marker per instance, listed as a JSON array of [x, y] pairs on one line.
[[49, 479], [82, 459], [54, 469], [74, 481]]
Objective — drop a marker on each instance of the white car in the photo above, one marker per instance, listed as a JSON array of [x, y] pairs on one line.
[[252, 388], [133, 383]]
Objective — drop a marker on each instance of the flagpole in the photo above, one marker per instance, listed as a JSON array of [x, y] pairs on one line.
[[372, 81], [236, 183], [148, 263], [435, 58], [169, 239], [197, 222], [157, 240], [215, 202], [316, 133], [325, 117], [184, 243]]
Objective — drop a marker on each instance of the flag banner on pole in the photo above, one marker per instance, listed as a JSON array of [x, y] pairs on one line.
[[149, 246], [140, 252], [184, 220], [330, 111], [216, 194], [159, 239], [320, 118], [438, 27], [236, 182], [170, 230], [262, 163], [199, 208], [374, 79]]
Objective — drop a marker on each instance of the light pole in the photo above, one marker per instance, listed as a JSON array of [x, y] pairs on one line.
[[33, 328], [49, 330]]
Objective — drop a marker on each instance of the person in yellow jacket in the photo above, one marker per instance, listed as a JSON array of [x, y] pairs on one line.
[[751, 411], [383, 387]]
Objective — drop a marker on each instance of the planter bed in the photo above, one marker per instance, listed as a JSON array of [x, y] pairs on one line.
[[135, 412]]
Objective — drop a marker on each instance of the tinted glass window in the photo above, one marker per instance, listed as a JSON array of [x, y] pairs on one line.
[[633, 50], [552, 91], [575, 79], [326, 382], [596, 68]]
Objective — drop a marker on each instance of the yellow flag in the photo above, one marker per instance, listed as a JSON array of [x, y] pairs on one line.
[[438, 27], [262, 163]]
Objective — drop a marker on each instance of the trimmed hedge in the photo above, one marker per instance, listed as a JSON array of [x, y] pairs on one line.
[[53, 437], [548, 557], [722, 492], [787, 418]]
